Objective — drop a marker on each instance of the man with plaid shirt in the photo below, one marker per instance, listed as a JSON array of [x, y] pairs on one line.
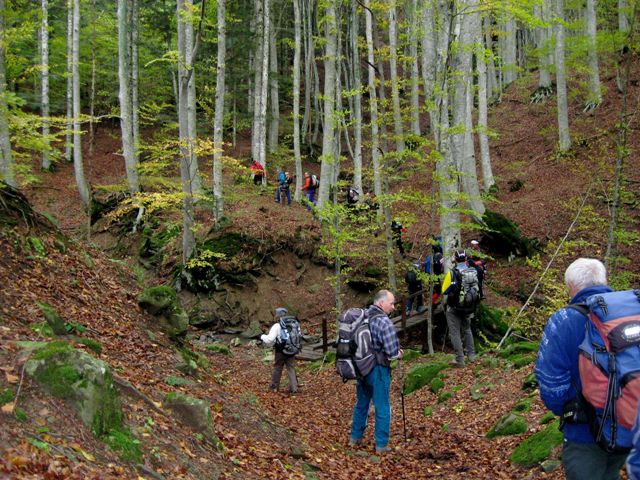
[[375, 386]]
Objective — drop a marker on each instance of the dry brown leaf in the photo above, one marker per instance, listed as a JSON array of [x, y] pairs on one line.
[[8, 408], [11, 378]]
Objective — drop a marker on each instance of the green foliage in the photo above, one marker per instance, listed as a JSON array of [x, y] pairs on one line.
[[6, 396], [178, 381], [125, 444], [436, 385], [537, 447], [546, 418], [91, 344], [523, 405], [444, 397], [421, 375], [219, 348], [35, 245], [43, 329], [508, 424], [410, 354], [530, 382], [518, 348], [428, 411], [194, 358]]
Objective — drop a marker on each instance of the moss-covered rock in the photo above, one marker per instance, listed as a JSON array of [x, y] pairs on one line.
[[537, 447], [219, 348], [523, 405], [162, 302], [519, 348], [421, 375], [436, 385], [83, 380], [193, 412], [490, 321], [546, 418], [521, 360], [530, 382], [509, 424], [178, 381], [503, 236], [410, 354], [53, 319]]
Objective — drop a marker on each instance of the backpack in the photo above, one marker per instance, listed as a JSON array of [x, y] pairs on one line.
[[314, 181], [436, 264], [290, 342], [355, 357], [466, 295], [609, 364]]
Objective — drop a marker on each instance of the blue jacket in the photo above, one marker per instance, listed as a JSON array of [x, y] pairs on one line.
[[633, 460], [557, 365]]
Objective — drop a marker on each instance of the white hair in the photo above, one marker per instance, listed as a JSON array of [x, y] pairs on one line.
[[585, 272]]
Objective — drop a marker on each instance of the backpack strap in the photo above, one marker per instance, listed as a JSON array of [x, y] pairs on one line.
[[579, 307]]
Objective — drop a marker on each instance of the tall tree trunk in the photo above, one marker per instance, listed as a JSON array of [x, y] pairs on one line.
[[429, 55], [92, 92], [296, 95], [483, 124], [257, 77], [415, 70], [77, 124], [264, 83], [44, 49], [218, 118], [510, 52], [196, 181], [357, 99], [309, 54], [561, 81], [329, 132], [124, 76], [373, 102], [6, 157], [393, 67], [493, 88], [274, 124], [595, 94], [623, 19], [135, 75], [542, 44], [68, 151]]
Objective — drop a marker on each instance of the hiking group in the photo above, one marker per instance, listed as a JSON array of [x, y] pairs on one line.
[[588, 365]]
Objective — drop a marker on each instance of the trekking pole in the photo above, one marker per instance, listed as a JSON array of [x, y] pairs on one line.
[[404, 418]]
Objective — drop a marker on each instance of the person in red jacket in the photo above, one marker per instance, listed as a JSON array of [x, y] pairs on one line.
[[309, 189], [258, 172]]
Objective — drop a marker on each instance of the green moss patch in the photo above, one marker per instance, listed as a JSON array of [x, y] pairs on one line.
[[537, 447], [421, 375], [6, 395], [219, 348], [410, 354], [521, 360], [436, 385], [530, 382], [125, 444], [546, 418], [178, 381], [428, 411], [444, 396], [91, 344], [53, 319], [519, 348], [523, 405], [509, 424]]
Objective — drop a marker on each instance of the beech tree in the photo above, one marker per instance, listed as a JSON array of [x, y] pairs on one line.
[[297, 45], [44, 98], [68, 152], [594, 97], [218, 121], [78, 164], [125, 94], [6, 156], [561, 80]]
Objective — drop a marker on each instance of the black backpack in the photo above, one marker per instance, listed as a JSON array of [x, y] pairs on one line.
[[436, 264], [290, 342], [466, 294]]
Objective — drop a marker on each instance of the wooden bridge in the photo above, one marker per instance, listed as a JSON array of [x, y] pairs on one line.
[[316, 350]]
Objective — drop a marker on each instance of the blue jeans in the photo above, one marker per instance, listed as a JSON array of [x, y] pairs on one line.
[[374, 386], [310, 193], [280, 191], [588, 460]]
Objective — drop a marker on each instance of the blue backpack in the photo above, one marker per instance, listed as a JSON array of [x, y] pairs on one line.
[[610, 366]]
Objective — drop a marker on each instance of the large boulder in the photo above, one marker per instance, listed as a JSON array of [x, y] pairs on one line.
[[538, 447], [421, 375], [193, 412], [81, 379], [162, 302]]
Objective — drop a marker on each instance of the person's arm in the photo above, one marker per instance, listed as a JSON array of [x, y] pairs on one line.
[[557, 359], [389, 338], [633, 460], [272, 336]]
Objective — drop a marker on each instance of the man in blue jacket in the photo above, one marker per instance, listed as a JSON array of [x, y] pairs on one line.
[[559, 378]]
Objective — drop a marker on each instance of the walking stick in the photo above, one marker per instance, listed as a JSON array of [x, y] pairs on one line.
[[404, 419]]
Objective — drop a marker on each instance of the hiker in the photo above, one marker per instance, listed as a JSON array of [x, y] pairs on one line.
[[460, 289], [284, 187], [396, 233], [283, 348], [633, 460], [282, 178], [558, 374], [434, 265], [478, 263], [352, 196], [258, 172], [309, 188], [375, 386], [414, 285]]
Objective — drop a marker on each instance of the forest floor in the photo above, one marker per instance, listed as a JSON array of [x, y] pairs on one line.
[[274, 435]]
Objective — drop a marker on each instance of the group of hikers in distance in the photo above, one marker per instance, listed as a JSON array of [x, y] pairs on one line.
[[588, 364]]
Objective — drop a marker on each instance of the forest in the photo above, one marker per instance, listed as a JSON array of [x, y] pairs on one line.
[[142, 254]]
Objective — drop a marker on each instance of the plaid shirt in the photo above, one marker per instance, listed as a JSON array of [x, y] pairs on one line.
[[384, 338]]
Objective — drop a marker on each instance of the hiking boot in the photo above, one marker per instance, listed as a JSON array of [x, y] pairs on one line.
[[472, 358], [355, 443], [293, 392], [455, 364], [273, 389], [382, 450]]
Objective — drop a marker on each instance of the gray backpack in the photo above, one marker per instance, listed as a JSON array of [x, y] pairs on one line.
[[355, 357], [466, 296], [290, 336]]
